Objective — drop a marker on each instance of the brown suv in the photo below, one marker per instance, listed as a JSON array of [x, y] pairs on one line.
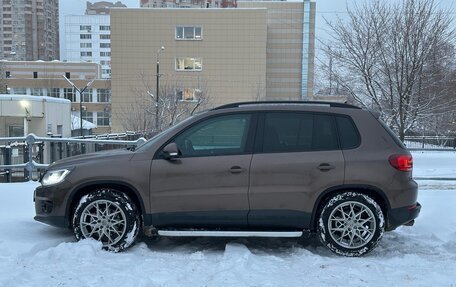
[[277, 169]]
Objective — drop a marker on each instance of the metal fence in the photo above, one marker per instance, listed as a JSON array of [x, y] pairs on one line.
[[24, 158], [431, 143]]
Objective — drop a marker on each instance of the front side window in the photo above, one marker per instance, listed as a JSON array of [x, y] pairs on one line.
[[189, 64], [189, 33], [223, 135], [298, 132]]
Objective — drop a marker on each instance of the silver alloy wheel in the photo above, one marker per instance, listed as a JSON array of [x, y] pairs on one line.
[[103, 220], [352, 224]]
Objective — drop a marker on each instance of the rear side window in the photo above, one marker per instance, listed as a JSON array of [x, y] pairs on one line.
[[297, 132], [349, 136]]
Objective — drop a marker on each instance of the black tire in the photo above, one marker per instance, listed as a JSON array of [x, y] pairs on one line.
[[353, 234], [108, 216]]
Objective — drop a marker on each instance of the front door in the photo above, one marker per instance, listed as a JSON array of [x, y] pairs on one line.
[[207, 185]]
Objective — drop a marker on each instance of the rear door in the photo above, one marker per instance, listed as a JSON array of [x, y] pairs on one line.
[[297, 156]]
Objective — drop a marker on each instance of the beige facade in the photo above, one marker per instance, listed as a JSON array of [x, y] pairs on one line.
[[41, 78], [290, 48], [221, 54]]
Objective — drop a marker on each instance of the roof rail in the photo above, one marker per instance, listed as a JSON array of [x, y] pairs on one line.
[[330, 104]]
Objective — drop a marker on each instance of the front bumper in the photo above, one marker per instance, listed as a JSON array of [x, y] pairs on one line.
[[50, 207], [402, 216]]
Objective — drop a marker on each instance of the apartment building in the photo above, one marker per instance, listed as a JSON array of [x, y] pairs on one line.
[[40, 78], [29, 30], [88, 37]]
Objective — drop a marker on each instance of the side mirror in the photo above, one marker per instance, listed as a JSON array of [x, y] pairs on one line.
[[171, 151]]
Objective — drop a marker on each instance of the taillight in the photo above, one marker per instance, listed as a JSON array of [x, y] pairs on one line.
[[402, 162]]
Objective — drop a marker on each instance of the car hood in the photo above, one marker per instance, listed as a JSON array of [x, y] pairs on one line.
[[91, 157]]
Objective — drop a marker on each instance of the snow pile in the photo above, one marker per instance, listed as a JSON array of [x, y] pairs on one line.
[[33, 254]]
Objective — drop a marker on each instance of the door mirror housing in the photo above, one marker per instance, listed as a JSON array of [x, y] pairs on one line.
[[171, 151]]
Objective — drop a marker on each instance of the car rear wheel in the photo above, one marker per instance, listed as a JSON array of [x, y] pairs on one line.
[[351, 224], [108, 216]]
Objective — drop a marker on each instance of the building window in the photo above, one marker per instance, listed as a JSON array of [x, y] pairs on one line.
[[189, 64], [105, 45], [20, 91], [8, 74], [105, 37], [15, 131], [67, 75], [188, 94], [104, 28], [69, 95], [85, 36], [86, 54], [37, 92], [104, 95], [35, 75], [105, 54], [106, 71], [53, 92], [103, 118], [85, 28], [87, 96], [189, 33], [88, 116], [105, 63], [86, 45]]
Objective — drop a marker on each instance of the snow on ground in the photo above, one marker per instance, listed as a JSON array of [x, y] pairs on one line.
[[34, 254]]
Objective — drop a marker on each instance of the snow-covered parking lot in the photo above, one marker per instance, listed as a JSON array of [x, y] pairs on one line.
[[33, 254]]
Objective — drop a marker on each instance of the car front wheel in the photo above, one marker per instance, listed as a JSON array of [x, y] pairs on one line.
[[108, 216], [351, 224]]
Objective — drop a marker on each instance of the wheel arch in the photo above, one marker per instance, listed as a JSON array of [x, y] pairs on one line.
[[377, 194], [85, 188]]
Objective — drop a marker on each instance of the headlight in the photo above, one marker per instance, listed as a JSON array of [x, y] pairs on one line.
[[54, 176]]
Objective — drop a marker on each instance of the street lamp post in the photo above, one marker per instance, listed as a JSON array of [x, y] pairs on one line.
[[162, 48], [80, 99]]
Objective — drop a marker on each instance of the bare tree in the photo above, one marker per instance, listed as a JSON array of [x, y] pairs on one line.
[[382, 57], [176, 102]]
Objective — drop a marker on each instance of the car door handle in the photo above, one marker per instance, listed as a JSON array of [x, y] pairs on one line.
[[236, 169], [325, 167]]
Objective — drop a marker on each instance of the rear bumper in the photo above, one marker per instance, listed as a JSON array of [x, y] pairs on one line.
[[403, 215]]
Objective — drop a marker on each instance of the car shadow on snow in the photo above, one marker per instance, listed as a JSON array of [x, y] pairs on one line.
[[256, 245]]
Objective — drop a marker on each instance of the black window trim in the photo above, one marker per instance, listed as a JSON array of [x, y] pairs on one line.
[[248, 145]]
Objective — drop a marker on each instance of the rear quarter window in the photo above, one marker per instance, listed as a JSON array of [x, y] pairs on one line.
[[348, 133]]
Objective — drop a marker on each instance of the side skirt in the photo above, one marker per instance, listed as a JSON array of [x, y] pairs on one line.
[[203, 233]]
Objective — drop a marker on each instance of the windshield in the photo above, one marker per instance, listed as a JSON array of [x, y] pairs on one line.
[[158, 136]]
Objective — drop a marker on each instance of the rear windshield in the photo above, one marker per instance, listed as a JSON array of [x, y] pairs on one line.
[[392, 134]]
